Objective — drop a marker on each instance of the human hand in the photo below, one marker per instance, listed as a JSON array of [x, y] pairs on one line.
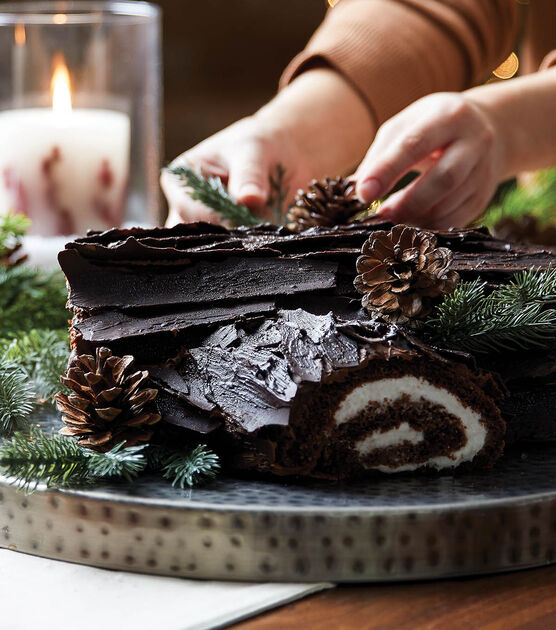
[[455, 145], [316, 126], [243, 156]]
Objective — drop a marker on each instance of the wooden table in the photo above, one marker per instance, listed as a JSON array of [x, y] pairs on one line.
[[524, 600]]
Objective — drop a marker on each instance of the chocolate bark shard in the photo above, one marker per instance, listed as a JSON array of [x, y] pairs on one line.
[[107, 327], [94, 287], [187, 383], [176, 412], [254, 376]]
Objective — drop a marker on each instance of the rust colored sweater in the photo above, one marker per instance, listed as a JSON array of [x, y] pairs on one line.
[[396, 51]]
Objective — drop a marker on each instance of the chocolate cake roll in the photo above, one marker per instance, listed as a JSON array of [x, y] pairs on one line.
[[312, 395], [258, 342]]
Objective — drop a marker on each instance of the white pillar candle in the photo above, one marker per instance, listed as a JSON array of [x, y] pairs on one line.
[[66, 172], [66, 169]]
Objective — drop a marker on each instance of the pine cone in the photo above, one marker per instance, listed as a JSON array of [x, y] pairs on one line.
[[401, 272], [327, 203], [108, 402]]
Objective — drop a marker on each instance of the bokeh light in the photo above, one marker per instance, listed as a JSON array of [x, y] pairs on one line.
[[508, 68]]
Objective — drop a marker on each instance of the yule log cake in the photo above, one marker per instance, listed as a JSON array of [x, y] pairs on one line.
[[330, 352]]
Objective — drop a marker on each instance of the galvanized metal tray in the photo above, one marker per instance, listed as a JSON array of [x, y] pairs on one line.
[[382, 529]]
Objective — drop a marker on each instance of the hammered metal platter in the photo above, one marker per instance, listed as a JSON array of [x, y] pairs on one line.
[[382, 529]]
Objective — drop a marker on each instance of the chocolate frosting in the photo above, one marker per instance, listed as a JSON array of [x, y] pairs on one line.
[[233, 324]]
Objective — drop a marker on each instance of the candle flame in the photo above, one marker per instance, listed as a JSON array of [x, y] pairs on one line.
[[19, 35], [61, 86]]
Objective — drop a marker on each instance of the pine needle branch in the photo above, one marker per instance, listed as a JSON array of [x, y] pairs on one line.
[[56, 461], [537, 199], [184, 468], [31, 298], [213, 194], [513, 317], [121, 462], [528, 286], [36, 458], [42, 355], [16, 399], [12, 228]]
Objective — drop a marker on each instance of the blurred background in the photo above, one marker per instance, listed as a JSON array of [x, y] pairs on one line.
[[223, 60]]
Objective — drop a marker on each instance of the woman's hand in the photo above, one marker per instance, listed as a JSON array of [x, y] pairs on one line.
[[455, 145], [318, 125], [242, 155]]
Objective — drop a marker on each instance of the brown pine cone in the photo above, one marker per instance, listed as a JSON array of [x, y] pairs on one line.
[[401, 272], [326, 203], [109, 403]]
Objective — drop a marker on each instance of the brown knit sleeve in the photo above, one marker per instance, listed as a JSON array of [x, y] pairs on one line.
[[396, 51]]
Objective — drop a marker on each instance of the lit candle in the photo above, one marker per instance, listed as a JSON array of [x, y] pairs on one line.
[[67, 169]]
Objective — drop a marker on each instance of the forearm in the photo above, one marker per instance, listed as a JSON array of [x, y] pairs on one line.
[[397, 51], [328, 119], [524, 114]]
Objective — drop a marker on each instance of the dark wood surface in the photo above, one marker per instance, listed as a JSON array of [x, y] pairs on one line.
[[525, 600]]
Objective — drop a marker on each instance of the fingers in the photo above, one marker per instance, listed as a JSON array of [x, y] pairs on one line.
[[389, 159], [415, 134], [457, 209], [443, 179], [181, 206], [248, 178]]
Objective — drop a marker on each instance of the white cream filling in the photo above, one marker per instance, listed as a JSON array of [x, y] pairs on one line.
[[389, 390], [391, 437]]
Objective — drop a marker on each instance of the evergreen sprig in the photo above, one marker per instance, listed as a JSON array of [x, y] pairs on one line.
[[12, 228], [184, 468], [537, 199], [16, 398], [512, 317], [120, 462], [56, 461], [31, 298], [42, 355], [212, 192]]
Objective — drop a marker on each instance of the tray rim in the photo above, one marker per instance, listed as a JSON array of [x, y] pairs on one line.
[[257, 508]]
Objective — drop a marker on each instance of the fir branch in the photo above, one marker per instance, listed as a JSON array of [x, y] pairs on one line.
[[213, 194], [16, 398], [42, 355], [513, 317], [458, 311], [528, 286], [37, 458], [121, 462], [184, 468], [190, 468], [537, 199], [31, 298], [278, 194], [56, 461], [12, 228]]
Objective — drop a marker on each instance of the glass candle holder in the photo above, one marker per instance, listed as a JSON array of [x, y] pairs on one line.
[[80, 107]]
